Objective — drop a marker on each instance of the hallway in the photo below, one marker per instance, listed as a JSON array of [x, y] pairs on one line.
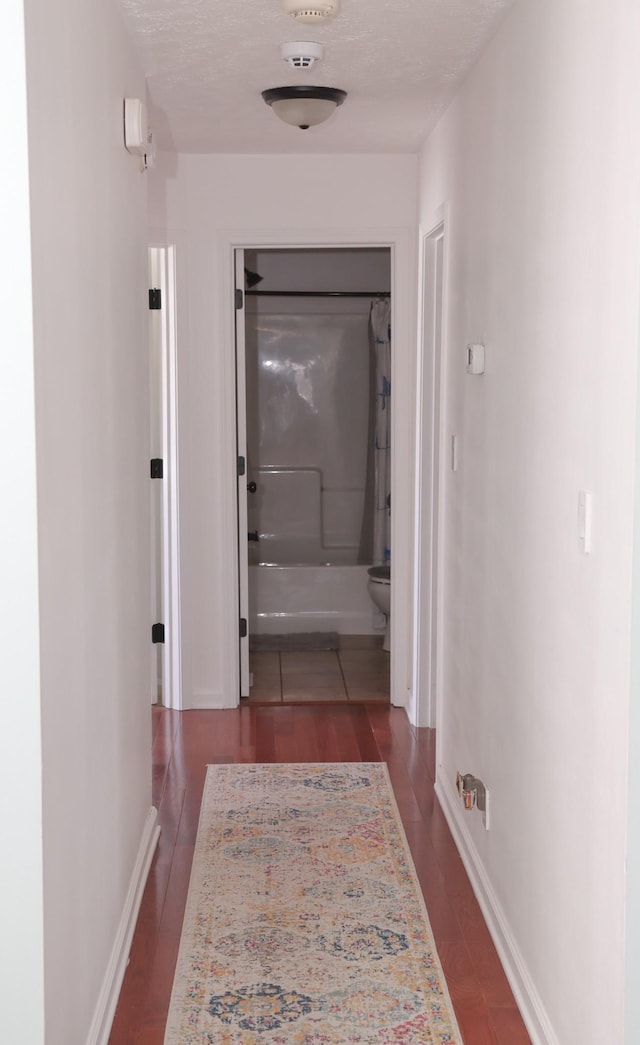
[[183, 744]]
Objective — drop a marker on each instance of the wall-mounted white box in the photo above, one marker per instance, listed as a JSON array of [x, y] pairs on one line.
[[475, 358]]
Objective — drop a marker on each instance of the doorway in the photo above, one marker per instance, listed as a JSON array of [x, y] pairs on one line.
[[315, 327], [401, 246]]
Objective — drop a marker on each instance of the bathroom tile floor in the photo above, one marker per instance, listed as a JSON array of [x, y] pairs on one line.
[[319, 676]]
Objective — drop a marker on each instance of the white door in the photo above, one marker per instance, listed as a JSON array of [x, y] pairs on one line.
[[241, 444]]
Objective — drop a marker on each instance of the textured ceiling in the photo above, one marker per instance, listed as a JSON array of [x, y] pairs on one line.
[[400, 61]]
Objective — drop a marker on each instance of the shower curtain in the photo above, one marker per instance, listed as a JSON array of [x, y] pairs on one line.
[[380, 330]]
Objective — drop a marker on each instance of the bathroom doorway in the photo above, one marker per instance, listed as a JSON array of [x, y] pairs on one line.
[[308, 438]]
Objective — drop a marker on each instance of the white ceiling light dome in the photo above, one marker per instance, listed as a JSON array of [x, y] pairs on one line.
[[311, 11], [304, 107]]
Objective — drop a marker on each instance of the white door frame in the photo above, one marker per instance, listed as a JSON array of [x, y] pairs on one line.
[[401, 243], [241, 487], [162, 269], [430, 450]]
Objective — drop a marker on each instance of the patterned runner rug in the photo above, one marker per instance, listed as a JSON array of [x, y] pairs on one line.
[[305, 923]]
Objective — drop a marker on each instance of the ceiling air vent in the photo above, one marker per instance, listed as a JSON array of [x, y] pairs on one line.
[[309, 11]]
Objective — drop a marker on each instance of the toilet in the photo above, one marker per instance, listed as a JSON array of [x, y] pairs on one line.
[[379, 588]]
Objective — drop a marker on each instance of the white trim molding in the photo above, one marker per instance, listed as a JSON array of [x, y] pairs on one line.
[[114, 975], [527, 998], [162, 264], [207, 700], [430, 407]]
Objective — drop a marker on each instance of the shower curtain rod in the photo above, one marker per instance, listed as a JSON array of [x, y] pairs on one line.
[[319, 293]]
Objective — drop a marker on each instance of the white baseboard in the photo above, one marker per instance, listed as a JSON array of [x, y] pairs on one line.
[[528, 1000], [208, 700], [108, 998]]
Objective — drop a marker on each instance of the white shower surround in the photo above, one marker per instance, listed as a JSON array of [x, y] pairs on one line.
[[307, 373], [307, 418], [298, 584], [301, 599]]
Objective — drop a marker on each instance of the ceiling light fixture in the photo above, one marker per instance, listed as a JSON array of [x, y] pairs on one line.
[[311, 11], [304, 107], [302, 55]]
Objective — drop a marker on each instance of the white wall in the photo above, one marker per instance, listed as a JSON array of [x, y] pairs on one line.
[[88, 210], [21, 914], [539, 163], [195, 202], [632, 1011]]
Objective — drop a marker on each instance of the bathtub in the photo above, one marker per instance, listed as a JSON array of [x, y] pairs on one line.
[[296, 586]]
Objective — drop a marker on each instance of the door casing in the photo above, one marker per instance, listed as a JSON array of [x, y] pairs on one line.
[[241, 454], [163, 332], [402, 246], [430, 449]]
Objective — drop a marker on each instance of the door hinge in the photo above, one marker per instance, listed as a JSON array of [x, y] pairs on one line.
[[239, 298], [155, 297], [241, 466], [243, 627], [157, 633], [157, 468]]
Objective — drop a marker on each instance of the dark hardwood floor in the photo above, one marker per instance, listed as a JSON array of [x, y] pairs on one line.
[[183, 745]]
